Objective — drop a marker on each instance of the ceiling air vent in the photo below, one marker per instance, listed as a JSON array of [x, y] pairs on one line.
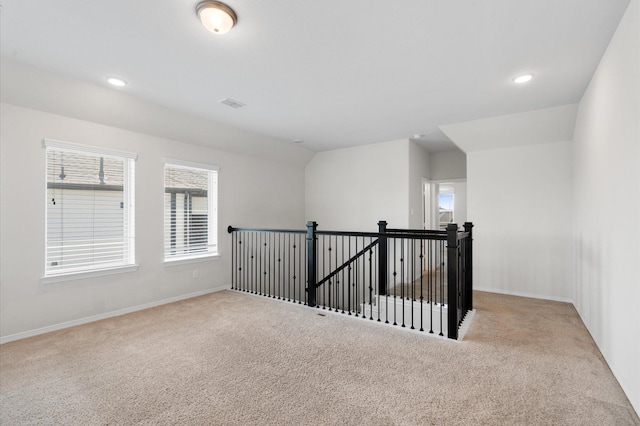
[[230, 102]]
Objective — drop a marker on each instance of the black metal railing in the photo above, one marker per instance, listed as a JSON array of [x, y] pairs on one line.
[[269, 262], [421, 279]]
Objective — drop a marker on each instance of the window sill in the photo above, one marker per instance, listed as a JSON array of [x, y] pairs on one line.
[[194, 259], [88, 274]]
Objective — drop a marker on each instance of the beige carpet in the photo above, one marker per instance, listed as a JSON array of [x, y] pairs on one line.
[[232, 358]]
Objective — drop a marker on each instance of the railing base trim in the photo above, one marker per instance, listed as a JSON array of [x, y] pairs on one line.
[[466, 322]]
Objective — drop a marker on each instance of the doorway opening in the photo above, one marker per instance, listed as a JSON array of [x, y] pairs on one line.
[[444, 202]]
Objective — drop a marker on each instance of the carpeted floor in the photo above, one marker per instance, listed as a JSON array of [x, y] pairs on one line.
[[231, 358]]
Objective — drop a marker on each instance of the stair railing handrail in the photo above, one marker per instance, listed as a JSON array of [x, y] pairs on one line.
[[231, 229], [347, 263]]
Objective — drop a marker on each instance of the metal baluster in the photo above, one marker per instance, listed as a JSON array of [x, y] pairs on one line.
[[252, 237], [328, 301], [411, 277], [402, 266], [261, 262], [234, 261], [386, 294], [304, 279], [421, 284], [349, 279], [258, 249], [300, 261], [234, 244], [376, 265], [395, 274], [430, 244], [342, 273], [272, 263], [297, 258], [254, 263], [337, 282], [246, 261], [362, 281], [294, 267], [278, 272], [356, 293], [288, 287], [442, 269], [265, 265], [242, 271], [371, 282]]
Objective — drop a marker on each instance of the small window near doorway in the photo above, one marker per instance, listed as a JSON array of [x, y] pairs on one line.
[[445, 208]]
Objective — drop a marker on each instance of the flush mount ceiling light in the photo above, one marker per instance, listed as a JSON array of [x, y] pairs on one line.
[[115, 81], [216, 17], [524, 78]]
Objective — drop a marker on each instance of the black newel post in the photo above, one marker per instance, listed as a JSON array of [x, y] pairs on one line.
[[452, 280], [468, 261], [382, 258], [312, 257]]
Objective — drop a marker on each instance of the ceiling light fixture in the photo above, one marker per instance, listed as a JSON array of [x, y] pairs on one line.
[[524, 78], [115, 81], [216, 17]]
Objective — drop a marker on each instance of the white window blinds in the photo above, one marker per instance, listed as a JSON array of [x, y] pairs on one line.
[[190, 210], [90, 208]]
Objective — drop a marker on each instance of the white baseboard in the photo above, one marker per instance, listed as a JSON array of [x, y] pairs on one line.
[[80, 321], [626, 388], [523, 294]]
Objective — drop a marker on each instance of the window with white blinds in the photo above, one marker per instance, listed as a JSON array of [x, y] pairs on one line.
[[190, 210], [89, 208]]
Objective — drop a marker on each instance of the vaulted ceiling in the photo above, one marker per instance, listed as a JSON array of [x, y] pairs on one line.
[[333, 73]]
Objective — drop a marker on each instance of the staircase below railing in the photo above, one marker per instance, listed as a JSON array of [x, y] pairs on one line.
[[420, 279]]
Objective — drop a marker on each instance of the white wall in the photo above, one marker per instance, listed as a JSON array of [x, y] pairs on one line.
[[554, 124], [460, 202], [352, 189], [252, 192], [448, 165], [519, 200], [607, 205], [418, 169], [31, 87]]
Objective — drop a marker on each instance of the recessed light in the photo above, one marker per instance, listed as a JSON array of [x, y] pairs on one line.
[[524, 78], [115, 81], [298, 141]]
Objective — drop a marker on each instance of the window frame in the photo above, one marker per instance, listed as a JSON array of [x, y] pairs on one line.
[[213, 250], [129, 235]]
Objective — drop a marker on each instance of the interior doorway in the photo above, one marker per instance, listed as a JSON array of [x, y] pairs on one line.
[[444, 202], [429, 194]]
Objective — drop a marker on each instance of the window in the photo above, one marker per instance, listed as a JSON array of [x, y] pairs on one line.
[[190, 210], [89, 209], [446, 204]]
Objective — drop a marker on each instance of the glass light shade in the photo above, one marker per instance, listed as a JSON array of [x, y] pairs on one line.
[[523, 78], [115, 81], [216, 17]]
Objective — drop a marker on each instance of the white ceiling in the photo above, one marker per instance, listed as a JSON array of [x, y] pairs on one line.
[[333, 73]]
